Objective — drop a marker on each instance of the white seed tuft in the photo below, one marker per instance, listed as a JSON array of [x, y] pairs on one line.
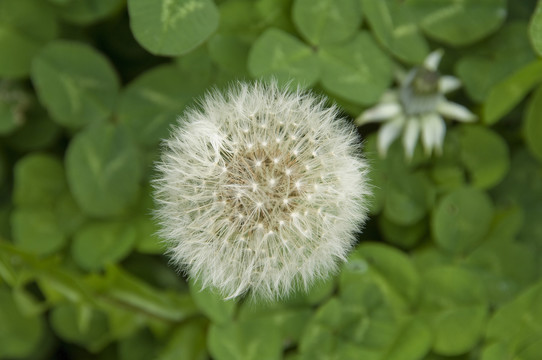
[[243, 185]]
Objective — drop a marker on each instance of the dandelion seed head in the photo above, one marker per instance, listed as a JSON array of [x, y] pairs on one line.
[[242, 194]]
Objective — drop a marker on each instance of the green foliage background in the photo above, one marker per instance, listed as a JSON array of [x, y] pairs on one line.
[[449, 266]]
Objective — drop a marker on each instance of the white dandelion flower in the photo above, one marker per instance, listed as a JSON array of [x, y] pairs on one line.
[[261, 190], [417, 107]]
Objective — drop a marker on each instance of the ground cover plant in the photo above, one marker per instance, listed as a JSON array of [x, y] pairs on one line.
[[445, 95]]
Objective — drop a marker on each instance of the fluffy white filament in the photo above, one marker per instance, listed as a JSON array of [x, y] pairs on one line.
[[261, 190]]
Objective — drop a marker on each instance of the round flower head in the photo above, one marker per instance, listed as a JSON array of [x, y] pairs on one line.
[[261, 190]]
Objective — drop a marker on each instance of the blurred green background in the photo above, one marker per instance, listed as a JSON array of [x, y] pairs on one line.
[[448, 267]]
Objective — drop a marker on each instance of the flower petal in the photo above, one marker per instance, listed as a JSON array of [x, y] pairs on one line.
[[432, 60], [448, 84], [433, 131], [388, 133], [455, 111], [379, 113], [410, 136], [389, 96]]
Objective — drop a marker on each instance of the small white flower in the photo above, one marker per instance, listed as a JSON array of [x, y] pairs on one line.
[[417, 106], [261, 190]]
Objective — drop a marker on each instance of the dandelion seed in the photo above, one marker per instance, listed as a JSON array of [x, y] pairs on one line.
[[271, 208]]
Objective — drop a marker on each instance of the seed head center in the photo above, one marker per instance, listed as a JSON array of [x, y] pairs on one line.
[[262, 186]]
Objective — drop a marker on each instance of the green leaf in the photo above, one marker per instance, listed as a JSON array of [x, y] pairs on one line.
[[408, 198], [38, 180], [412, 343], [447, 177], [454, 297], [498, 262], [139, 346], [25, 26], [532, 351], [320, 290], [535, 31], [37, 230], [37, 133], [128, 291], [56, 283], [318, 338], [100, 243], [402, 236], [357, 70], [508, 93], [152, 103], [461, 220], [496, 351], [9, 121], [241, 17], [148, 242], [459, 23], [197, 67], [75, 83], [277, 54], [394, 26], [69, 216], [20, 335], [289, 317], [168, 27], [493, 60], [532, 124], [103, 169], [65, 322], [452, 337], [86, 12], [391, 269], [326, 21], [485, 155], [212, 304], [523, 187], [187, 342], [27, 302], [517, 324], [248, 340], [15, 103], [229, 52]]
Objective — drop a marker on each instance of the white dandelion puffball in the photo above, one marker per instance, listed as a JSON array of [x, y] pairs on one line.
[[261, 190]]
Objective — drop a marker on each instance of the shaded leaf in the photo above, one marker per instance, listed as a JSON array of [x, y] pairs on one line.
[[25, 27], [532, 124], [86, 12]]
